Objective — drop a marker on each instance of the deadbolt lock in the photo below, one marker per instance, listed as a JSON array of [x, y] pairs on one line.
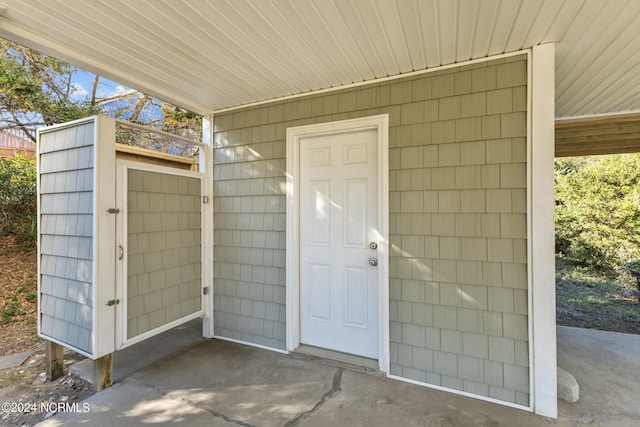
[[373, 245]]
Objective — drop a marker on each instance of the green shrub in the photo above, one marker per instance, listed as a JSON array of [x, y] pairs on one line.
[[10, 310], [598, 210], [18, 200]]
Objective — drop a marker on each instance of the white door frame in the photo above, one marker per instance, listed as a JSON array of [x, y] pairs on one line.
[[380, 124]]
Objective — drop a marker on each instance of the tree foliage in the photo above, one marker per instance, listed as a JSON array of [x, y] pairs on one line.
[[36, 90], [143, 109], [136, 107], [18, 199], [598, 210]]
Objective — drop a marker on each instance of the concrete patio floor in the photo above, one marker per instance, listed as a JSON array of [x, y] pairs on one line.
[[181, 379]]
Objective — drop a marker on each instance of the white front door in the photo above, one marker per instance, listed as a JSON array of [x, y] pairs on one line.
[[338, 239]]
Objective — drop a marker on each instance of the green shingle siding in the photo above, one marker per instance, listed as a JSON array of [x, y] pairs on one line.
[[457, 202]]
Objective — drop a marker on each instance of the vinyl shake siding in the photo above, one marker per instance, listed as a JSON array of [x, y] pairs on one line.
[[66, 235], [164, 268], [458, 222]]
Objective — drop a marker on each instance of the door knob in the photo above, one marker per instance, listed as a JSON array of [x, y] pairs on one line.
[[373, 261]]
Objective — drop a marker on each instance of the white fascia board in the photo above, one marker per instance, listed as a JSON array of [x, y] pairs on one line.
[[599, 116]]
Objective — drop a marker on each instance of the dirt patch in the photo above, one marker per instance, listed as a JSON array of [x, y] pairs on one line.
[[32, 398], [587, 298], [18, 298]]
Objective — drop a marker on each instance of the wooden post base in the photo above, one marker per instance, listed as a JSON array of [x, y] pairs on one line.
[[103, 372], [55, 361]]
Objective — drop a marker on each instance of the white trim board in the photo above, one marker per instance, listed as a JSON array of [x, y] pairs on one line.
[[250, 344], [542, 301], [602, 116], [206, 167], [104, 226], [381, 124], [461, 393]]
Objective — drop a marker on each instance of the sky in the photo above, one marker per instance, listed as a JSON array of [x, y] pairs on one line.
[[83, 80], [123, 108]]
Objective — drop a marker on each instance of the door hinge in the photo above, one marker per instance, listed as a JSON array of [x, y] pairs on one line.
[[205, 199], [205, 290], [113, 302], [113, 210]]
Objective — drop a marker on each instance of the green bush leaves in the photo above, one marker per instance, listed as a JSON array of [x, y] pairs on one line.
[[18, 199], [598, 210]]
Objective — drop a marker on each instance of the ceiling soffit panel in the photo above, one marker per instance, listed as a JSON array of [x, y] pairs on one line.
[[604, 76], [208, 55]]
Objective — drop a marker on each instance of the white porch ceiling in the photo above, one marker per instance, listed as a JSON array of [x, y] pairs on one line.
[[208, 55]]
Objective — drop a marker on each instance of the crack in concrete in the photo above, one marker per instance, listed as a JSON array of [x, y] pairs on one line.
[[335, 389], [224, 417], [190, 402]]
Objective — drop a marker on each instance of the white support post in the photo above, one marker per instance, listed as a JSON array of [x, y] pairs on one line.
[[206, 166], [543, 296]]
